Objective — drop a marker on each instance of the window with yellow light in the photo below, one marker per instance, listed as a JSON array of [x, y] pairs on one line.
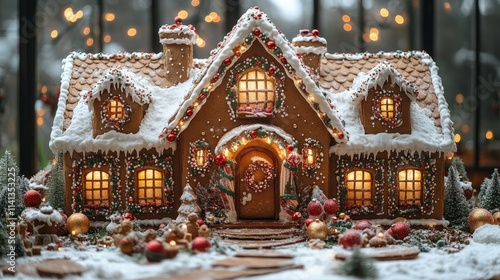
[[387, 107], [255, 93], [410, 186], [150, 186], [359, 188], [115, 109], [96, 188]]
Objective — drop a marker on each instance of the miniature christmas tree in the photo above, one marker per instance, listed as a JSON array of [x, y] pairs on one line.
[[4, 245], [456, 209], [358, 265], [215, 203], [458, 164], [491, 197], [483, 188], [56, 196], [10, 181], [189, 204]]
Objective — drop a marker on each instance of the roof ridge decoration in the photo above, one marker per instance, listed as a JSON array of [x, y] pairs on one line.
[[118, 55], [121, 79], [253, 25], [377, 76]]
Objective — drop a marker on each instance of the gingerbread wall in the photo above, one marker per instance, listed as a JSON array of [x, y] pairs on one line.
[[375, 126], [385, 158], [213, 121], [131, 126]]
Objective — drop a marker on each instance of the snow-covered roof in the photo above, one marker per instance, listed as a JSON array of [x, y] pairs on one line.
[[416, 74], [252, 20]]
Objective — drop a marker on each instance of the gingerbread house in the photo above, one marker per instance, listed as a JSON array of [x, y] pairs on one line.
[[371, 130]]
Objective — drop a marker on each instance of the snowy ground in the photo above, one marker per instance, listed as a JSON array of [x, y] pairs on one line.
[[475, 261]]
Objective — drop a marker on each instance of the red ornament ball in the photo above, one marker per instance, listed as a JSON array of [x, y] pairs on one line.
[[178, 20], [308, 221], [283, 59], [171, 137], [32, 198], [61, 229], [296, 216], [220, 159], [351, 238], [314, 208], [189, 112], [290, 148], [400, 230], [293, 159], [331, 206], [227, 61], [271, 71], [128, 216], [253, 134], [256, 32], [155, 251], [468, 194], [200, 244], [363, 224], [315, 32], [271, 45], [341, 135], [200, 222]]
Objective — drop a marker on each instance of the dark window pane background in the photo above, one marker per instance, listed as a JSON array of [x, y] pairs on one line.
[[348, 26]]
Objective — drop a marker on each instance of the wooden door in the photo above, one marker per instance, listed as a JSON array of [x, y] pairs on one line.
[[256, 201]]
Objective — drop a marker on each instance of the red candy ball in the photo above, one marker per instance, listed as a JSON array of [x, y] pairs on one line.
[[256, 32], [290, 148], [308, 221], [314, 208], [331, 206], [271, 44], [296, 216], [155, 251], [363, 224], [351, 238], [32, 198], [128, 216], [200, 244], [315, 32], [400, 230], [220, 159], [171, 137], [178, 20], [253, 134]]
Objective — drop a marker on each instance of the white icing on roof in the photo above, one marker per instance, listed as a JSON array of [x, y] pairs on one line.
[[255, 19], [188, 33]]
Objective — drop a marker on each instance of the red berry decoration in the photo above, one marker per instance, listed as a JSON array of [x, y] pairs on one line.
[[128, 216], [220, 159], [189, 112], [331, 206], [271, 71], [256, 32], [315, 32], [296, 216], [341, 135], [171, 137], [155, 251], [32, 198], [200, 222], [227, 61], [283, 59], [253, 134], [271, 45], [314, 208], [363, 224], [351, 238], [468, 194], [308, 221], [400, 231], [290, 148], [178, 20], [200, 244]]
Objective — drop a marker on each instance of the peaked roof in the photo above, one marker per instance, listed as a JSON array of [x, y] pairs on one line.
[[253, 25]]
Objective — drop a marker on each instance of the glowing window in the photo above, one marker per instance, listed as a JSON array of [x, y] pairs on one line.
[[150, 186], [387, 107], [410, 186], [359, 188], [96, 188], [115, 109], [255, 93]]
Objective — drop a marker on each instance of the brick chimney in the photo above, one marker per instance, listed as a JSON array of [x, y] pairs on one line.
[[177, 40], [311, 47]]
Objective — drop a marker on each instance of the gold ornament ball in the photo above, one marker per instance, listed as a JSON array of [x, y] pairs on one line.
[[479, 217], [78, 223], [317, 230], [496, 218]]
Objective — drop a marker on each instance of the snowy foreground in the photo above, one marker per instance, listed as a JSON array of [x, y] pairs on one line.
[[475, 261]]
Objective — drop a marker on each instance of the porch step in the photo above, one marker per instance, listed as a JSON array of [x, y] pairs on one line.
[[257, 233], [247, 236], [264, 244], [255, 225]]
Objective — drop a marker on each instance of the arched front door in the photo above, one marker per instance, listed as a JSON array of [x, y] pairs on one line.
[[257, 175]]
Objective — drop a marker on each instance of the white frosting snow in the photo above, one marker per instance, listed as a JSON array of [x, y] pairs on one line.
[[38, 215], [487, 234], [187, 31]]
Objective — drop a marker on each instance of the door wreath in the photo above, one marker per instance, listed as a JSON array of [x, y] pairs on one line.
[[249, 177]]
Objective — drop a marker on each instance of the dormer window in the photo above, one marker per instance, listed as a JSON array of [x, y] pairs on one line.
[[256, 94], [115, 112], [387, 107]]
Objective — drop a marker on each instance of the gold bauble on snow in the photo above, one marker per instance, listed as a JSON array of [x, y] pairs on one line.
[[496, 218], [317, 230], [479, 217], [78, 223]]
